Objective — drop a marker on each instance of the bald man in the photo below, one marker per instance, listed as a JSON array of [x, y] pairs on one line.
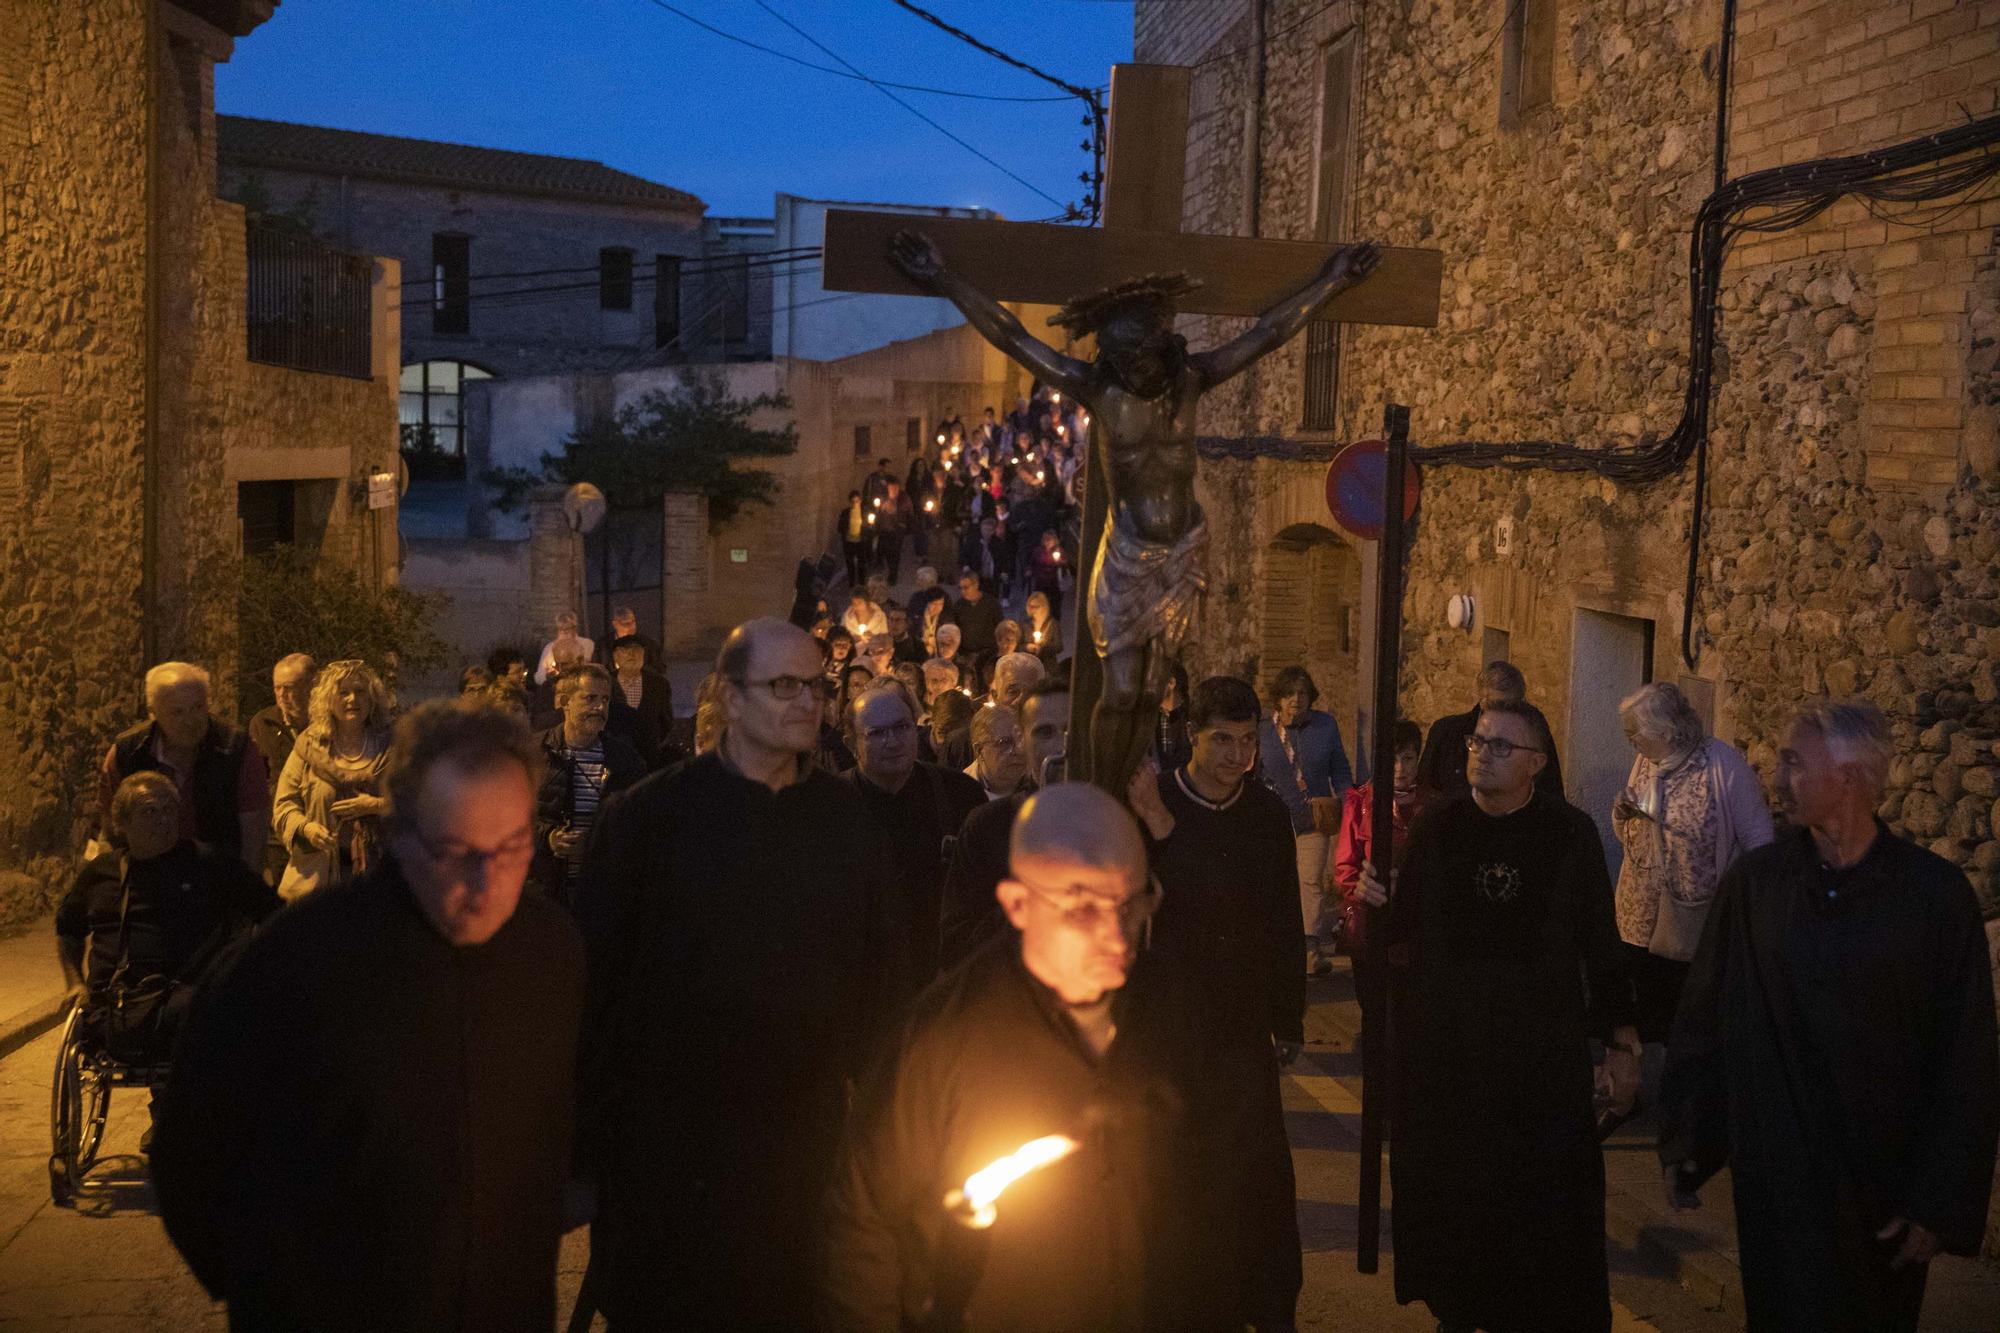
[[1058, 1027], [746, 949]]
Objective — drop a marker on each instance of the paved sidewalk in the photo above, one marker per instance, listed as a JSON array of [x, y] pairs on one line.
[[31, 985]]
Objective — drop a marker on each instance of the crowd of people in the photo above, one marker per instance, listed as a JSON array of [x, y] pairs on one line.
[[761, 997]]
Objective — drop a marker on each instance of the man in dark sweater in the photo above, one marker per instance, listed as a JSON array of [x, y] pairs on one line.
[[274, 731], [918, 806], [368, 1125], [1224, 854], [1441, 768], [746, 948]]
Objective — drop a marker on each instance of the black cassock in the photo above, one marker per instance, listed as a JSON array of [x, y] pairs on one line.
[[1835, 1048], [746, 947], [1498, 1179], [1134, 1231]]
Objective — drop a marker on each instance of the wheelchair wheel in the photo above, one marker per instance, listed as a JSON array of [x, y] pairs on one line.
[[78, 1103]]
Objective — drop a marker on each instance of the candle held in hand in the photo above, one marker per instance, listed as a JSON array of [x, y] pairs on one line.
[[974, 1205]]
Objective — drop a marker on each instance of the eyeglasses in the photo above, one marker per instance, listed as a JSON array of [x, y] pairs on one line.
[[1087, 911], [464, 862], [1002, 744], [1496, 746], [895, 731], [788, 687]]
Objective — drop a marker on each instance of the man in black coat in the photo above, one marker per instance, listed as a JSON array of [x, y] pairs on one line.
[[586, 765], [1835, 1049], [970, 914], [1441, 767], [1058, 1034], [642, 705], [917, 805], [1224, 853], [368, 1126], [224, 787], [746, 948], [275, 730]]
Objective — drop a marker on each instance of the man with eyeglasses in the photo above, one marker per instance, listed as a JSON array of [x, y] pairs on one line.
[[746, 938], [369, 1121], [918, 806], [1060, 1026], [970, 914], [1506, 963], [1441, 771], [1223, 850]]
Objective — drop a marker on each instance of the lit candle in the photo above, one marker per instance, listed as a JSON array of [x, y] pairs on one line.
[[940, 437], [1055, 397], [871, 518], [974, 1205], [930, 506], [878, 502]]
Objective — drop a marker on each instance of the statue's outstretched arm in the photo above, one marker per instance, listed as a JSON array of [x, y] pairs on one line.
[[1348, 266], [920, 260]]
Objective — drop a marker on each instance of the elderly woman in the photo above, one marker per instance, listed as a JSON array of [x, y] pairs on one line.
[[1691, 806], [567, 646], [1044, 632], [330, 796]]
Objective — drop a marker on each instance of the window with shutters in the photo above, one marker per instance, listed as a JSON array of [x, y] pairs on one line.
[[1332, 173]]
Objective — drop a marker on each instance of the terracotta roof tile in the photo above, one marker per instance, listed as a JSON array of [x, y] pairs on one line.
[[280, 145]]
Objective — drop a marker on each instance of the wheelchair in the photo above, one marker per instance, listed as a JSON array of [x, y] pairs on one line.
[[80, 1100]]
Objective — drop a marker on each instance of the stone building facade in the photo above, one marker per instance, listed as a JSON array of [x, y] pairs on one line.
[[1557, 151], [134, 428]]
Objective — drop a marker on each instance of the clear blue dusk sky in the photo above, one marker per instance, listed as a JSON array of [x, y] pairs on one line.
[[639, 88]]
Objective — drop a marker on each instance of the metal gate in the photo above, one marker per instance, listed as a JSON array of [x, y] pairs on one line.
[[623, 564]]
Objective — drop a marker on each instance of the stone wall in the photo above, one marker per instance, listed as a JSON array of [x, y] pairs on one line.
[[72, 414], [76, 257], [1851, 541]]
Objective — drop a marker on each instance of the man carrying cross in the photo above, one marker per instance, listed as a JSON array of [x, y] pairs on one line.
[[1142, 390]]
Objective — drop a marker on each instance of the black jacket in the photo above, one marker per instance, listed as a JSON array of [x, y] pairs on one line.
[[369, 1128], [976, 623], [648, 726], [217, 764], [919, 820], [184, 906], [555, 804], [1135, 1231], [969, 915]]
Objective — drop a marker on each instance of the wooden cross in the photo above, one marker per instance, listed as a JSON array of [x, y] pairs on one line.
[[1047, 264]]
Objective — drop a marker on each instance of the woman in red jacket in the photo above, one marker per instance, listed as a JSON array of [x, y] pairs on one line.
[[1357, 843]]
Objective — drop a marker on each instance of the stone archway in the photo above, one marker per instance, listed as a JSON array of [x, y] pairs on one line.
[[1309, 614]]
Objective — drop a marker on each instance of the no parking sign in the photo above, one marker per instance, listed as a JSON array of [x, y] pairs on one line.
[[1354, 481]]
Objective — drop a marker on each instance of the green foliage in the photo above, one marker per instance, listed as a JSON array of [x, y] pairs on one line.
[[683, 439], [291, 601]]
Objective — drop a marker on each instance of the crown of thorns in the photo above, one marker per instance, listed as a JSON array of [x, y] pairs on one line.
[[1087, 313]]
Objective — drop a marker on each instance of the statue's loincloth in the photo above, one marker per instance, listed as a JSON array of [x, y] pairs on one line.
[[1143, 592]]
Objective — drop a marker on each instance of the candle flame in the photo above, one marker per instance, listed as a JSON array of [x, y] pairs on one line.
[[974, 1204]]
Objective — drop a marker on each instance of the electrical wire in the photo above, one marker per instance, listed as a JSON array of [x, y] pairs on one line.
[[1286, 31], [831, 54], [1934, 167], [691, 264], [842, 74], [1092, 98], [596, 285]]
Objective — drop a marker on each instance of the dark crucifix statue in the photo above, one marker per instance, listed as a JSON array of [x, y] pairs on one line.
[[1142, 390]]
